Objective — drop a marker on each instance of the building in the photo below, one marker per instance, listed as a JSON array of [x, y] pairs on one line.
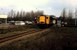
[[3, 18]]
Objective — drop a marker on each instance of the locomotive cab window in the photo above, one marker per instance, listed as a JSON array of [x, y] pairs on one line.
[[46, 17]]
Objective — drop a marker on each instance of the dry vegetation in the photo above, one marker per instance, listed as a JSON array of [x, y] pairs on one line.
[[55, 39], [8, 30], [11, 28], [66, 38]]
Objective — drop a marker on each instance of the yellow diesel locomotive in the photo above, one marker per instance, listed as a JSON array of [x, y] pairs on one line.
[[44, 21]]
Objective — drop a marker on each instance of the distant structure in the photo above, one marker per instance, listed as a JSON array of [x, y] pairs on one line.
[[3, 17]]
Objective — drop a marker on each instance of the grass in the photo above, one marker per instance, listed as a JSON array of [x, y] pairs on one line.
[[12, 30], [66, 38], [57, 38], [23, 43]]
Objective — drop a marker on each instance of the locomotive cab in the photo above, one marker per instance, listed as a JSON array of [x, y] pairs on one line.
[[44, 21]]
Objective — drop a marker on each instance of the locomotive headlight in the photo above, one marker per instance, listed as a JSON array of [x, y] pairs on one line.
[[54, 21], [66, 23]]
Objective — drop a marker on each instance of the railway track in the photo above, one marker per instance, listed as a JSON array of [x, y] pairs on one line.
[[30, 33], [4, 39]]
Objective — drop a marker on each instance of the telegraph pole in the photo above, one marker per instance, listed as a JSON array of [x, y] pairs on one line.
[[75, 16]]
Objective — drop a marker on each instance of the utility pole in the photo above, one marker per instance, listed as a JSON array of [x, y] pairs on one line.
[[63, 15], [75, 16]]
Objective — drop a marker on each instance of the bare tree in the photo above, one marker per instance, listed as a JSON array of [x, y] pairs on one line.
[[70, 14], [75, 17], [39, 13], [63, 15], [11, 13], [75, 13], [24, 16]]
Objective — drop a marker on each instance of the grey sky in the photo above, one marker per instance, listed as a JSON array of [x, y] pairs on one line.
[[50, 7]]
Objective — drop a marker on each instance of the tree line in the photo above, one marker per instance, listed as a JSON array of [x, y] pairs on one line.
[[69, 16], [23, 16]]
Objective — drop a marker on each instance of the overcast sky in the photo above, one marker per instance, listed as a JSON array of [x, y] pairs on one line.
[[50, 7]]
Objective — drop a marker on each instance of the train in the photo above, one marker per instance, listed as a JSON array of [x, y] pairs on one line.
[[44, 21]]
